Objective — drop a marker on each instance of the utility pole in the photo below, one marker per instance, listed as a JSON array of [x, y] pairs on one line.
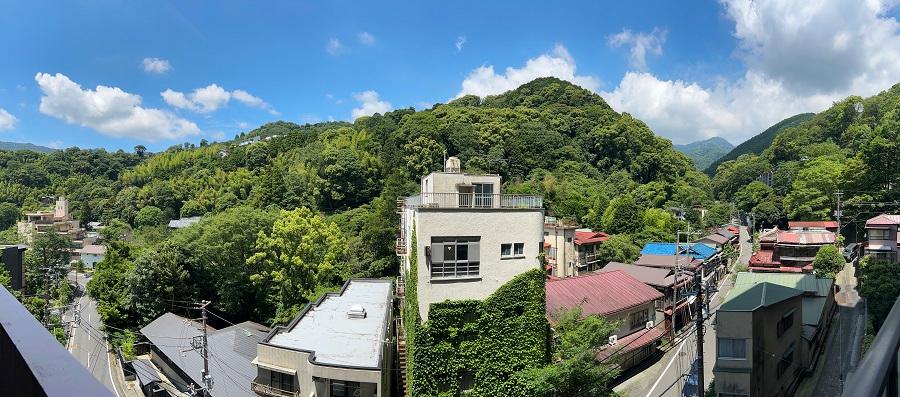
[[702, 386], [838, 194], [207, 379]]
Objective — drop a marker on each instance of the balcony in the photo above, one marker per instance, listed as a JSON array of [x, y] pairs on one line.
[[877, 374], [269, 391], [474, 201]]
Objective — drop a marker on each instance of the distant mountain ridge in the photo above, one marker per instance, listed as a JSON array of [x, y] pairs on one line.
[[13, 146], [705, 152], [760, 142]]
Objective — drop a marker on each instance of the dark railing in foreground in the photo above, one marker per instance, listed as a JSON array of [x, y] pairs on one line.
[[33, 363], [877, 375]]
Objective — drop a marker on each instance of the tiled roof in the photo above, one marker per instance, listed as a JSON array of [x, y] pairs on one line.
[[884, 220], [587, 238], [599, 293], [812, 224], [652, 276], [632, 342]]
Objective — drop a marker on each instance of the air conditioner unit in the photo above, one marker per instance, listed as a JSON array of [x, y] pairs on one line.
[[613, 339], [649, 325]]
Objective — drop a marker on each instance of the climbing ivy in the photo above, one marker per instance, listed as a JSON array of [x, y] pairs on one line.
[[485, 341]]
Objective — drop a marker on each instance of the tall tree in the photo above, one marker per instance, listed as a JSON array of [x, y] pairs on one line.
[[828, 261], [159, 279]]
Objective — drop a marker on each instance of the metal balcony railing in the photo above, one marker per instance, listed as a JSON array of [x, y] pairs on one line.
[[475, 201], [269, 391], [877, 374]]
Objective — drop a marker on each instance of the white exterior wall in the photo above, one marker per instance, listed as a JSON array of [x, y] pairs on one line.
[[446, 182], [494, 227], [90, 260], [566, 259], [271, 358]]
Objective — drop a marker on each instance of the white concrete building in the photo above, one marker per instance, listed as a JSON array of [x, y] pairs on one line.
[[339, 346], [92, 254], [470, 239]]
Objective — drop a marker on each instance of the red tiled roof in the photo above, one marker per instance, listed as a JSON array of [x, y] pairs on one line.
[[812, 224], [734, 229], [780, 269], [632, 342], [588, 238], [884, 220], [599, 293], [763, 257]]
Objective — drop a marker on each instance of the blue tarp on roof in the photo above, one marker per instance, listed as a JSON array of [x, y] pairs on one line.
[[697, 251]]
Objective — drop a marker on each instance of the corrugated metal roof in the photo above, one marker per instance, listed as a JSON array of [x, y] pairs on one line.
[[697, 251], [805, 237], [812, 224], [632, 342], [585, 237], [815, 290], [884, 220], [717, 238], [749, 297], [763, 257], [183, 222], [599, 293], [652, 276], [667, 261]]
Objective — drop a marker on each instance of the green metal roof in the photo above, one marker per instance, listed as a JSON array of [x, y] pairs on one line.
[[749, 297], [815, 290]]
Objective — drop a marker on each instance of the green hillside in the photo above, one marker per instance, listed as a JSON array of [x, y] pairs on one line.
[[12, 146], [705, 152], [760, 142]]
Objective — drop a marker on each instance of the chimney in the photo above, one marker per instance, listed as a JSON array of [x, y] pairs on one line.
[[452, 165]]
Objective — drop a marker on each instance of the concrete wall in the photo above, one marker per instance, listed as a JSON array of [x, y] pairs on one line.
[[566, 258], [494, 227], [443, 182], [734, 375]]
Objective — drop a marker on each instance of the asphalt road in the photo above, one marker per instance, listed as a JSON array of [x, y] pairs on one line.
[[87, 342], [666, 377]]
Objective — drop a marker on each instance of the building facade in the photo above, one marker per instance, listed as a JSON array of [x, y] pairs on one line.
[[57, 221], [559, 248], [882, 237], [339, 346], [469, 238], [790, 251], [92, 254]]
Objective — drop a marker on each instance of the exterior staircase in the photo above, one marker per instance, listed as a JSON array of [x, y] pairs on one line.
[[400, 330]]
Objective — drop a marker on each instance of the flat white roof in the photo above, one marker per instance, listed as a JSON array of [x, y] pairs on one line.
[[337, 339]]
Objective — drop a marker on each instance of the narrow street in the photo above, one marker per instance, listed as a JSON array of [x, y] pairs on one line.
[[88, 342], [665, 378]]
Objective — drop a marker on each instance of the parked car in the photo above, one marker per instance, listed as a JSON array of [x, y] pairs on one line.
[[850, 251]]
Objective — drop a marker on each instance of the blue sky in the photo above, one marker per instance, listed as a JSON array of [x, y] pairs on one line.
[[114, 74]]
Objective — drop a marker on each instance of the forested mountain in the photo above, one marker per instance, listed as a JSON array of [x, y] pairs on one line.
[[759, 142], [296, 213], [11, 146], [705, 152], [852, 147]]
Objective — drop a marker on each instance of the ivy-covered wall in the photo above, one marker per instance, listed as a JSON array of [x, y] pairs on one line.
[[488, 340]]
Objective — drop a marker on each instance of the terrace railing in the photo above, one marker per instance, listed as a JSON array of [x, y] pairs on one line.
[[475, 201], [877, 374]]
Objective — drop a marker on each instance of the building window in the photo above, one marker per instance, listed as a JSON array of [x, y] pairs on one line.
[[879, 234], [505, 250], [787, 359], [546, 233], [484, 195], [786, 322], [281, 381], [512, 250], [340, 388], [732, 348], [639, 319], [519, 249], [454, 256]]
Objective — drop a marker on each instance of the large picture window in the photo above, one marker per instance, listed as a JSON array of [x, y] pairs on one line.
[[732, 348], [454, 257]]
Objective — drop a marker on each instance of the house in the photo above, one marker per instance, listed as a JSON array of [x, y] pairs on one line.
[[92, 254], [470, 239], [663, 280], [831, 226], [570, 250], [57, 221], [231, 353], [687, 263], [759, 341], [718, 240], [615, 296], [789, 251], [882, 238], [13, 259], [183, 222], [690, 257], [338, 346]]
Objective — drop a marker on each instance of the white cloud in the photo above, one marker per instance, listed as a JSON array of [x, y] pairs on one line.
[[369, 104], [55, 144], [557, 63], [460, 42], [156, 65], [7, 120], [799, 57], [242, 125], [218, 135], [366, 38], [211, 98], [641, 44], [108, 110], [334, 47]]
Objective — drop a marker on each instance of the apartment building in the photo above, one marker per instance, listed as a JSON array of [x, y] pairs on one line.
[[57, 221], [759, 341], [469, 238], [790, 251], [615, 296], [882, 238], [339, 346], [559, 248]]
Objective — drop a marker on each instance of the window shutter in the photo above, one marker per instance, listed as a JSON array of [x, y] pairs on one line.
[[474, 251], [437, 253]]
